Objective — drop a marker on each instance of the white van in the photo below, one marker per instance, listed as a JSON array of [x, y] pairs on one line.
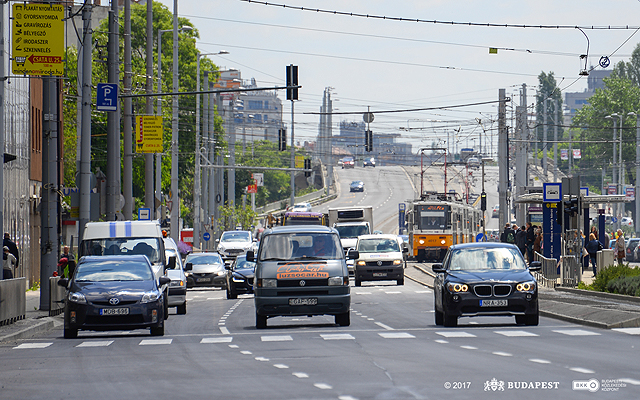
[[126, 238]]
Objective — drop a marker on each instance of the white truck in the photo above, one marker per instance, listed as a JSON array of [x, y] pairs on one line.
[[351, 222]]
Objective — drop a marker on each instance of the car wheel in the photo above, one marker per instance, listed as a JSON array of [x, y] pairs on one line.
[[182, 308], [439, 317], [261, 321], [532, 320], [449, 320], [358, 282], [400, 281], [343, 319], [159, 331], [231, 294], [70, 333]]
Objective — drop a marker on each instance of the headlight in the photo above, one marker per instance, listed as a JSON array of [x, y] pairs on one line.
[[176, 283], [397, 262], [338, 281], [77, 297], [267, 283], [220, 273], [362, 262], [149, 297], [220, 248], [457, 287], [237, 279], [187, 274], [443, 241], [529, 286], [421, 241]]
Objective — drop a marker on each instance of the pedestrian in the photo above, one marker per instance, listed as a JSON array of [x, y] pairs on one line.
[[537, 244], [508, 235], [593, 246], [521, 240], [71, 261], [531, 238], [606, 240], [8, 263], [620, 247], [12, 247], [594, 230]]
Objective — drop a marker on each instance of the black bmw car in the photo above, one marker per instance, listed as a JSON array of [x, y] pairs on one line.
[[113, 293], [485, 279], [240, 277]]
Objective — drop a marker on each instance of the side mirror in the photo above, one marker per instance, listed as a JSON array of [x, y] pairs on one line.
[[437, 268], [354, 254], [188, 267], [405, 250], [227, 267], [172, 262], [255, 240], [164, 280], [251, 256], [535, 266], [217, 241], [64, 282]]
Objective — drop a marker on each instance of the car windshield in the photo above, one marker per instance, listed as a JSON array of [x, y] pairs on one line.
[[352, 231], [378, 245], [299, 246], [204, 258], [472, 259], [242, 263], [149, 247], [235, 237], [113, 270]]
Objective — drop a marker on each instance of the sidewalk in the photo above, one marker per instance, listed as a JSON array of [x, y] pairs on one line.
[[35, 321]]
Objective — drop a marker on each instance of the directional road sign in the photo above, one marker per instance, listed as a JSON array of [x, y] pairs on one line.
[[107, 97], [37, 39], [206, 236]]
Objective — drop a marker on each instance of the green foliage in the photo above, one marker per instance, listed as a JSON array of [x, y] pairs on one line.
[[230, 217], [628, 285], [611, 273], [548, 89], [35, 286], [629, 70]]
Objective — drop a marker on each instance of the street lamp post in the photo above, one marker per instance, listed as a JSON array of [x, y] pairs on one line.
[[620, 181], [636, 225]]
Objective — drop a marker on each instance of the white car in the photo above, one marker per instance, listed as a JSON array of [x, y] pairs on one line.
[[301, 207], [233, 243], [626, 221], [177, 296], [378, 258]]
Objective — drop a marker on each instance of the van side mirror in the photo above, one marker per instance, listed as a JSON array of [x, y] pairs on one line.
[[251, 257], [164, 280], [64, 282], [188, 266], [354, 254]]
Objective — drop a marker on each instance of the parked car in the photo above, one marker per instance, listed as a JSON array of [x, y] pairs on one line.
[[631, 247], [356, 186], [369, 162], [205, 269], [485, 279], [473, 162], [240, 277], [348, 162], [114, 293], [378, 258], [626, 221], [177, 294], [233, 243]]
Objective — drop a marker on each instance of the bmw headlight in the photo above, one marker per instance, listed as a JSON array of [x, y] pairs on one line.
[[148, 297], [528, 286], [237, 278], [338, 281], [77, 297], [455, 287], [268, 283]]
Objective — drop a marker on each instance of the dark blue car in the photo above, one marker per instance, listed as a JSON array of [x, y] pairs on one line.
[[113, 293], [240, 277], [485, 279]]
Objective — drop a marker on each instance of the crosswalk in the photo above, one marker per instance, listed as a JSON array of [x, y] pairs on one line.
[[451, 334]]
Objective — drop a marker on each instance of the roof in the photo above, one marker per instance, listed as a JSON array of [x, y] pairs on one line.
[[121, 229], [132, 257]]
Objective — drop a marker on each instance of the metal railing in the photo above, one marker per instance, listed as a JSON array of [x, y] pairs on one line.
[[548, 276]]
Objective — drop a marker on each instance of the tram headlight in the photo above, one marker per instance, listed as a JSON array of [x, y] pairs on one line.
[[421, 241], [443, 241]]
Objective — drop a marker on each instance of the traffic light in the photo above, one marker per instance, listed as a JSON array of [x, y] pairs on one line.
[[483, 201], [307, 165], [282, 139], [292, 80], [368, 141], [571, 206]]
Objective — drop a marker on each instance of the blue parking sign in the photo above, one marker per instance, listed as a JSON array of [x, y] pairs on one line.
[[107, 97]]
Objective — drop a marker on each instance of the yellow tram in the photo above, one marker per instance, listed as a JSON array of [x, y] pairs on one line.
[[437, 221]]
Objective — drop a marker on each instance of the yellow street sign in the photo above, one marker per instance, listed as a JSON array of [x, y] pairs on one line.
[[148, 134], [299, 161], [37, 39]]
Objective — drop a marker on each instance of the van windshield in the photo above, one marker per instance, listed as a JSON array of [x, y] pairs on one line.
[[300, 246], [149, 247]]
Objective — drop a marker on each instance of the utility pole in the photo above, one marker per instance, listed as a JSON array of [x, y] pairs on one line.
[[148, 157], [127, 175], [85, 156], [544, 139], [2, 74], [503, 157], [521, 154], [113, 118], [175, 196], [556, 122]]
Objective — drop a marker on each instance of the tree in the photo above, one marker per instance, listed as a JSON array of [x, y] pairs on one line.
[[230, 217], [548, 89], [631, 69]]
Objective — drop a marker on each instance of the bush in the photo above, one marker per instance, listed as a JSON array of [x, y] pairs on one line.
[[611, 273], [629, 285]]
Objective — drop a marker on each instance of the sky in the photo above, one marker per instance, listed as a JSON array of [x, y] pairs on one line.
[[391, 65]]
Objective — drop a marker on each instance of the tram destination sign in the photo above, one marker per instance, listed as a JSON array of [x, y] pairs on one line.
[[37, 39]]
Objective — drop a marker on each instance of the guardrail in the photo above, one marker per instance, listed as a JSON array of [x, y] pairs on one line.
[[13, 300], [548, 276], [56, 297]]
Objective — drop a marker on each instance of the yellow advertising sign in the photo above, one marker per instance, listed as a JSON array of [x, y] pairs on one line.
[[299, 161], [148, 134], [37, 39]]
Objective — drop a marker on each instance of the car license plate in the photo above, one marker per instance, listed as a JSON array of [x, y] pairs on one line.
[[379, 274], [312, 301], [203, 280], [494, 303], [114, 311]]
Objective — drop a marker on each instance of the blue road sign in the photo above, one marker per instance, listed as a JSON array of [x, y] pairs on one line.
[[107, 97], [481, 237], [144, 214], [206, 236]]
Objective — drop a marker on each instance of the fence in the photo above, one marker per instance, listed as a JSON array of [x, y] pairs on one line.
[[13, 300], [548, 276]]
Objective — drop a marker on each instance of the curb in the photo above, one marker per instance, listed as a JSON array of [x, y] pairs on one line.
[[47, 324], [604, 295]]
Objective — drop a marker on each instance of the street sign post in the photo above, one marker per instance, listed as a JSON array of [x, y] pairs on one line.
[[107, 97], [37, 39]]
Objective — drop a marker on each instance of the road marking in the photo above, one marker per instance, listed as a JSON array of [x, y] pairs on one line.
[[323, 386], [455, 334], [246, 352], [393, 292], [502, 354], [96, 343], [262, 359], [33, 346], [510, 333], [576, 332], [226, 339], [383, 326], [371, 319], [396, 335], [153, 342], [300, 375], [234, 346], [630, 331], [423, 291], [539, 361], [283, 338], [582, 370], [281, 366], [347, 398], [362, 292], [469, 347], [337, 336], [441, 341], [224, 330]]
